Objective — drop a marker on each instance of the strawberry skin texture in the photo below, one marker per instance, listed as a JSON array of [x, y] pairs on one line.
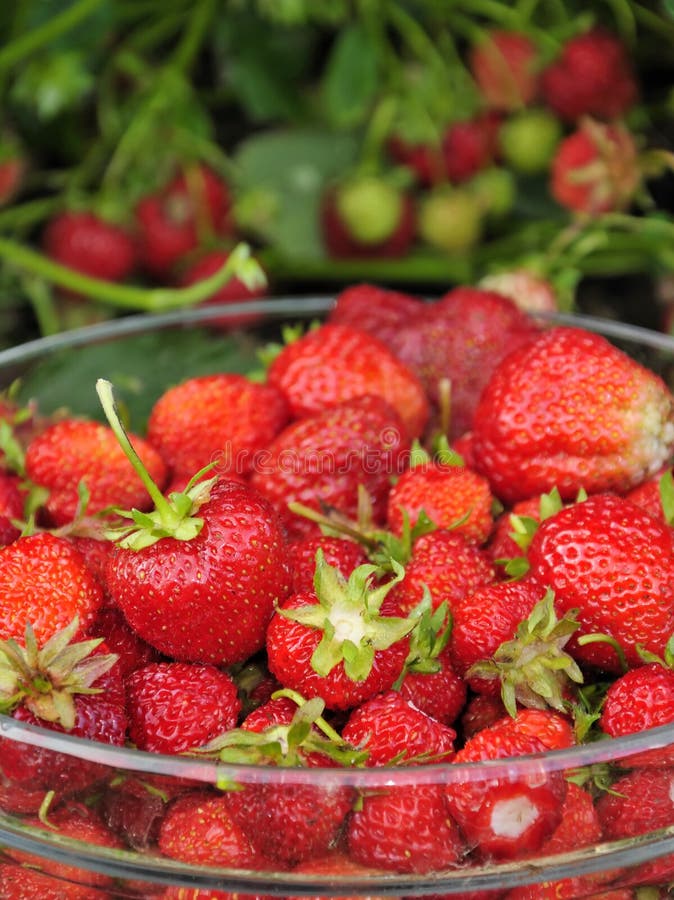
[[223, 417], [572, 411], [641, 698], [449, 495], [334, 363], [208, 599], [23, 883], [323, 458], [72, 451], [377, 310], [344, 554], [440, 694], [175, 707], [614, 564], [290, 646], [44, 581]]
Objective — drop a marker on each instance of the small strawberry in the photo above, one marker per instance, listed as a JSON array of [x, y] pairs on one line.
[[405, 828], [470, 145], [451, 495], [367, 216], [224, 418], [451, 219], [641, 698], [234, 291], [393, 731], [507, 814], [536, 423], [13, 168], [614, 565], [12, 498], [504, 65], [596, 169], [481, 711], [341, 642], [531, 293], [423, 159], [76, 452], [593, 75], [340, 553], [174, 707], [195, 205], [88, 244], [528, 141], [321, 460], [334, 363]]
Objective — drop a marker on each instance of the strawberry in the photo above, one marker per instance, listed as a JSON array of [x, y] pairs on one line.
[[612, 563], [393, 731], [451, 219], [174, 707], [75, 452], [134, 808], [235, 291], [596, 169], [445, 564], [45, 582], [528, 141], [323, 458], [342, 554], [198, 829], [13, 170], [504, 65], [535, 425], [12, 497], [470, 145], [194, 205], [593, 75], [450, 495], [366, 216], [480, 711], [342, 641], [131, 650], [506, 814], [85, 242], [422, 159], [377, 310], [334, 363], [641, 698], [405, 828], [465, 335], [224, 418], [530, 292], [652, 495], [25, 883]]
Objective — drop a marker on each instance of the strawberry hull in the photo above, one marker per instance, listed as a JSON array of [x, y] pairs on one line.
[[451, 809]]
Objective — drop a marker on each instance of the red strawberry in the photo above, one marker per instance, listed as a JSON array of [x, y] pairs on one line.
[[405, 828], [366, 217], [44, 582], [342, 642], [465, 335], [439, 692], [323, 458], [641, 698], [334, 363], [234, 291], [504, 64], [393, 731], [194, 205], [76, 451], [451, 496], [513, 526], [198, 829], [224, 418], [12, 498], [88, 244], [132, 651], [536, 424], [26, 883], [134, 808], [423, 160], [447, 565], [343, 554], [506, 814], [470, 146], [592, 76], [596, 169], [13, 169], [481, 711], [649, 495], [175, 707], [377, 310], [179, 593], [614, 565]]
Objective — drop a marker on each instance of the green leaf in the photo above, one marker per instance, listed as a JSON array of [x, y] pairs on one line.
[[50, 85], [351, 77], [666, 486]]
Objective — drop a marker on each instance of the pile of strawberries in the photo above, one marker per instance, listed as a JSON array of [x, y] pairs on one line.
[[431, 533]]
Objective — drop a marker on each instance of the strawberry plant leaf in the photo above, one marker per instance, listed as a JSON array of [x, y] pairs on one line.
[[351, 77]]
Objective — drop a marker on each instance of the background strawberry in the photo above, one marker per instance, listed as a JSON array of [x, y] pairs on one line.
[[89, 244], [505, 66], [234, 291]]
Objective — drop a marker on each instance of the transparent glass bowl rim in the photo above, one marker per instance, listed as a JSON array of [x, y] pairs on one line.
[[167, 871]]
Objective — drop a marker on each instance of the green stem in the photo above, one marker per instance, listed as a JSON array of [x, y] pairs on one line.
[[25, 215], [127, 296], [192, 40], [418, 40], [28, 43], [42, 302], [106, 396]]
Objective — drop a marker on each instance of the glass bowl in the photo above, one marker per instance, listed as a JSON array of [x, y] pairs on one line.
[[63, 368]]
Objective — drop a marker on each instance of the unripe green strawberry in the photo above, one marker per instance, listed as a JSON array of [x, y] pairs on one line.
[[529, 139], [450, 219]]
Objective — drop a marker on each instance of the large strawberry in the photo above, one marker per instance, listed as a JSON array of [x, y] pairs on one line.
[[571, 410], [614, 564], [324, 458], [334, 363], [75, 453], [222, 418]]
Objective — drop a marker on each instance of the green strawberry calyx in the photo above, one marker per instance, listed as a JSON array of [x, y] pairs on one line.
[[46, 679], [534, 668], [428, 638], [348, 615], [172, 515]]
